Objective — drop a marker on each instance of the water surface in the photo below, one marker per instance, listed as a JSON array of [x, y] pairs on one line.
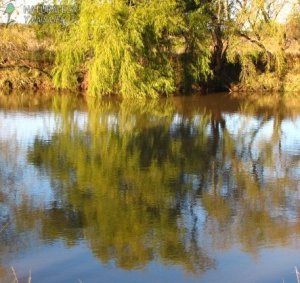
[[194, 189]]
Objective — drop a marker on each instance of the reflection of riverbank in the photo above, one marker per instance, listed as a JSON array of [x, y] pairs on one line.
[[182, 184], [256, 104]]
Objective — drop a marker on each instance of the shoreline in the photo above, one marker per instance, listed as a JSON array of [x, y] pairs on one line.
[[27, 64]]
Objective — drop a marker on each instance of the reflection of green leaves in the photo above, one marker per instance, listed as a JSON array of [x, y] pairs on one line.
[[217, 207], [133, 177], [119, 180]]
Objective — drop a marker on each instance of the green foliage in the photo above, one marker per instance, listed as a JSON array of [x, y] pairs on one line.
[[128, 48], [197, 54], [147, 48], [256, 40]]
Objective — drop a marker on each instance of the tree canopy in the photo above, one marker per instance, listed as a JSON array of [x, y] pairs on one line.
[[142, 48], [127, 47]]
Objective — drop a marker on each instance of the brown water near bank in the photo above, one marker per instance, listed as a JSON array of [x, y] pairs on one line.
[[188, 189]]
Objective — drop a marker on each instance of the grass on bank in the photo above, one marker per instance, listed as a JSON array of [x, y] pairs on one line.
[[25, 61]]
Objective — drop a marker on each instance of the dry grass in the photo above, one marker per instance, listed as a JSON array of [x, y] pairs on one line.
[[25, 62]]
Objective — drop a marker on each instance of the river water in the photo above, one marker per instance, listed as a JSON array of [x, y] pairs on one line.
[[187, 189]]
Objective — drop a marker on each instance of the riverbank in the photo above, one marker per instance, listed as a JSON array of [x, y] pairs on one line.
[[26, 63], [270, 82]]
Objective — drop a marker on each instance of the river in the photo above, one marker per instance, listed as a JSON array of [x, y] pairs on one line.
[[187, 189]]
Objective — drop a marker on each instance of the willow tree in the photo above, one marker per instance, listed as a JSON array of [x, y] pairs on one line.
[[260, 37], [249, 33], [126, 47], [293, 25]]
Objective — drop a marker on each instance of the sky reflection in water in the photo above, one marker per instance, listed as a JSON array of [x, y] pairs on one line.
[[192, 189]]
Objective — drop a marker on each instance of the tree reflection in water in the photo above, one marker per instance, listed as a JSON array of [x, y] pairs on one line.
[[168, 181]]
